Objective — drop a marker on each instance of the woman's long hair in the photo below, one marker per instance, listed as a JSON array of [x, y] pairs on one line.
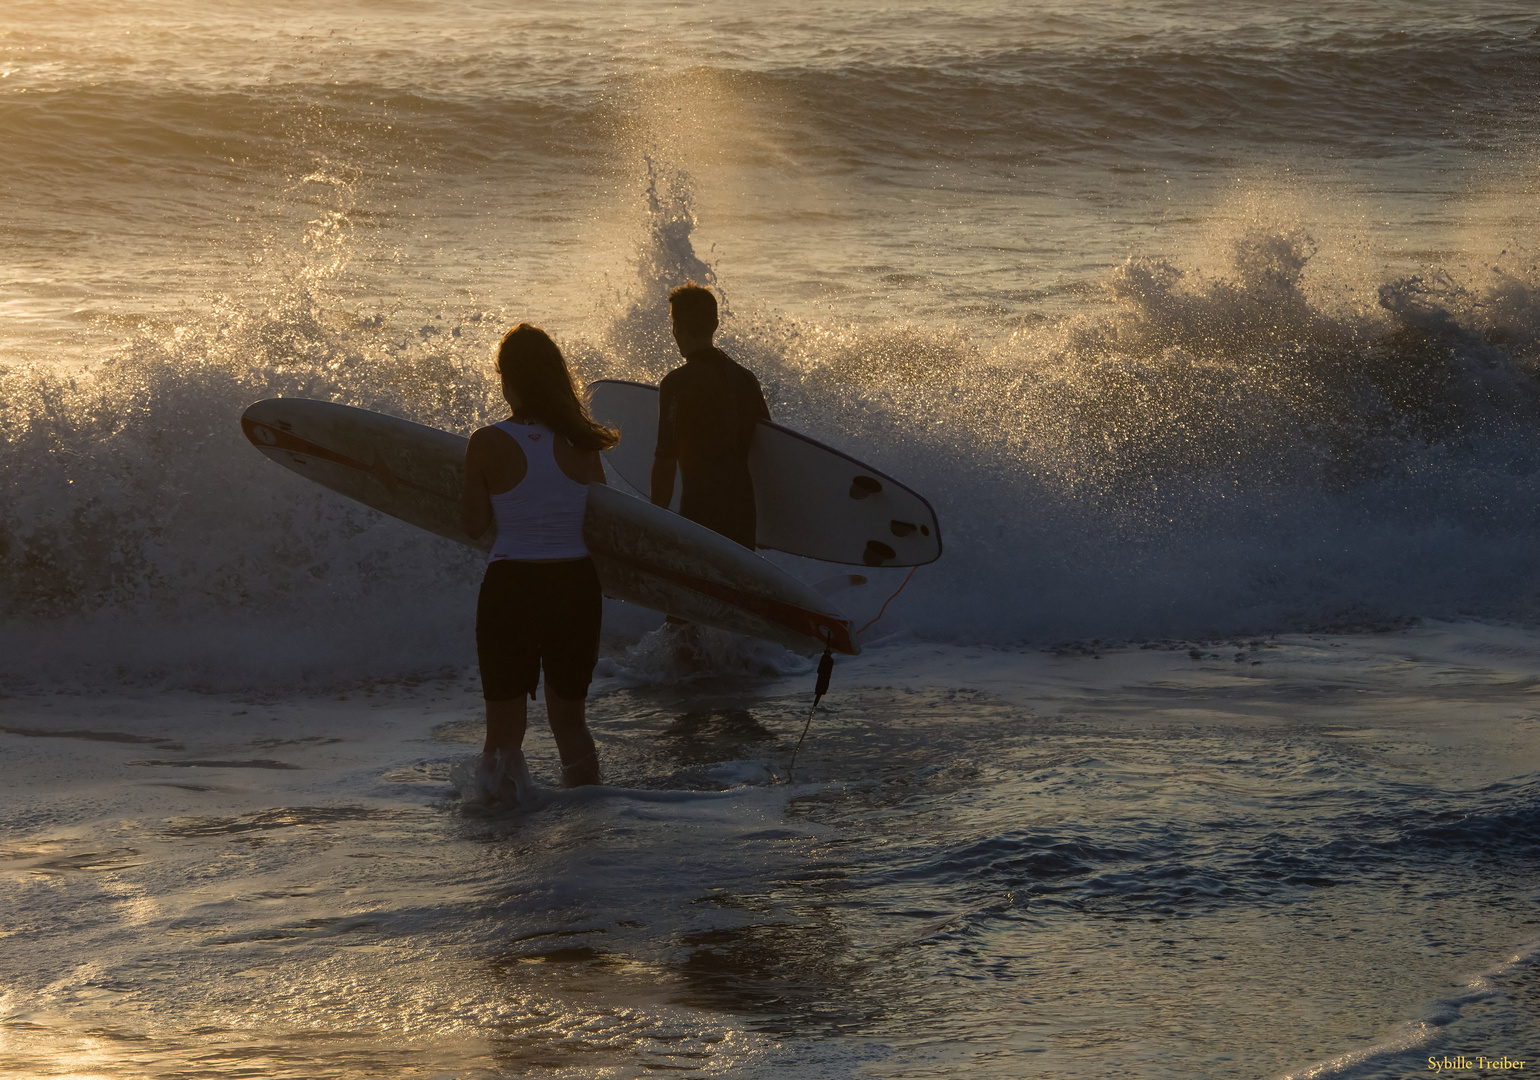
[[533, 367]]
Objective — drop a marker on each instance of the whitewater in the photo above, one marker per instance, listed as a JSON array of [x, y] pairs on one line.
[[1208, 748]]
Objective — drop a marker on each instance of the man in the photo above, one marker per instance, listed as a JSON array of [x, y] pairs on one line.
[[707, 410]]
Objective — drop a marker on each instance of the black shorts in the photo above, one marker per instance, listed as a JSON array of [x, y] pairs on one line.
[[531, 615]]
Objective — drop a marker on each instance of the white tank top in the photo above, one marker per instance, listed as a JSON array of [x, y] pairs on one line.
[[540, 517]]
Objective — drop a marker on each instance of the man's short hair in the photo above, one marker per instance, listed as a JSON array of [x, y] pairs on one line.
[[694, 309]]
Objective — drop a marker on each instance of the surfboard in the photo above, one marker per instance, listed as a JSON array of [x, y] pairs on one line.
[[643, 554], [810, 499]]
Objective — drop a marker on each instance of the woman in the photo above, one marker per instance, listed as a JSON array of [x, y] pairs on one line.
[[540, 604]]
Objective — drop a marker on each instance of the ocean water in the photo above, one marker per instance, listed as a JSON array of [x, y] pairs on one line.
[[1207, 749]]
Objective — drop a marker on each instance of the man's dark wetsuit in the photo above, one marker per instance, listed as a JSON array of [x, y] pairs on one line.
[[707, 410]]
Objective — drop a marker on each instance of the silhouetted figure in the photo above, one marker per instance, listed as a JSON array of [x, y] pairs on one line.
[[707, 409], [540, 604]]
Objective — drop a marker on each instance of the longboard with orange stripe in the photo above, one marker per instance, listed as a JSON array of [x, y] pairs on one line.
[[643, 553]]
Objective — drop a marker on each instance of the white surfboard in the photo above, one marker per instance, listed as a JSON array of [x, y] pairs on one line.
[[810, 499], [643, 553]]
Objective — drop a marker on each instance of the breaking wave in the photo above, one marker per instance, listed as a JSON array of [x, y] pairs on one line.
[[1192, 455]]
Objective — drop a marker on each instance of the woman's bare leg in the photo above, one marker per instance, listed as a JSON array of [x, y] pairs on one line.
[[579, 758], [506, 721]]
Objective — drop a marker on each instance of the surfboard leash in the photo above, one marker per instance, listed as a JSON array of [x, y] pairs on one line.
[[888, 601], [825, 669]]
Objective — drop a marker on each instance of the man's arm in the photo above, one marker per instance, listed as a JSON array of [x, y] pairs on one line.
[[752, 407], [761, 409]]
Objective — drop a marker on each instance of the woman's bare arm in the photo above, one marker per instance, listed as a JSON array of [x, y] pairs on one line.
[[475, 499]]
